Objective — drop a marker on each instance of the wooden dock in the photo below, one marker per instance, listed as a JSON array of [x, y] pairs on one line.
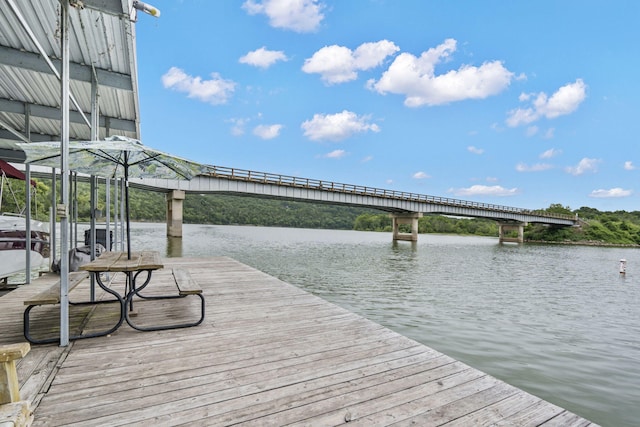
[[267, 354]]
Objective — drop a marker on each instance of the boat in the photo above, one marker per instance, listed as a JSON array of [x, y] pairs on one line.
[[13, 234]]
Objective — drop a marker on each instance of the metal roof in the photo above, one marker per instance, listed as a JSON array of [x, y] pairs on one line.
[[102, 49]]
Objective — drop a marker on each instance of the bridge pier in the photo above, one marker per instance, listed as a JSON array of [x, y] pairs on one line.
[[407, 218], [175, 201], [504, 227]]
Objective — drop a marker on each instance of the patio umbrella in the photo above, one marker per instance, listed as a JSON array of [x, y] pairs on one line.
[[113, 157], [11, 152]]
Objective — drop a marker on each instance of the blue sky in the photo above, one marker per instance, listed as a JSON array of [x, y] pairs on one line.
[[518, 103]]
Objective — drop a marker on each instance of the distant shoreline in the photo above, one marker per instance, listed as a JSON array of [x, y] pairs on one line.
[[585, 243]]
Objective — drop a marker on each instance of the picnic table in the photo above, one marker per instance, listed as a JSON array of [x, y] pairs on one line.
[[131, 265], [141, 265], [138, 269]]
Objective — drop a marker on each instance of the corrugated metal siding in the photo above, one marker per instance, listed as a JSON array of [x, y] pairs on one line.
[[102, 40]]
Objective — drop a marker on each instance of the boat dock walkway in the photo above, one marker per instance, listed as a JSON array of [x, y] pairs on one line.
[[267, 354]]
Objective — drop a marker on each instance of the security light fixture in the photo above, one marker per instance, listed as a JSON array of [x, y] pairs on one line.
[[146, 8]]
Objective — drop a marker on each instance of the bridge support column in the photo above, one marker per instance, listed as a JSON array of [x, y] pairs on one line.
[[408, 218], [175, 200], [504, 227]]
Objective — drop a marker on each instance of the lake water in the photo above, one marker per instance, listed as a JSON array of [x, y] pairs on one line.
[[557, 321]]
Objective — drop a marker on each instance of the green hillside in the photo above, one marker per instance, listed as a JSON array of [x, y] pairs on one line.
[[616, 228]]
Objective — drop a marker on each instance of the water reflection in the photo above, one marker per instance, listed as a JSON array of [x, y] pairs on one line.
[[402, 245]]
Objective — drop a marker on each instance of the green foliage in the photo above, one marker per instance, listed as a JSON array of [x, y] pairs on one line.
[[13, 198], [557, 208], [618, 228], [431, 224], [543, 233], [373, 222], [230, 209], [449, 225]]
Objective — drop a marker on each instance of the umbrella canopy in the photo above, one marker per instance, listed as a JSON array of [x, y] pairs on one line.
[[11, 152], [114, 157]]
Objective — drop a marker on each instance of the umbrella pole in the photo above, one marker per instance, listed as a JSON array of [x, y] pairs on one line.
[[126, 201]]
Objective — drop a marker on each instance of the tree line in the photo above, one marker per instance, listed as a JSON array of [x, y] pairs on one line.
[[617, 228]]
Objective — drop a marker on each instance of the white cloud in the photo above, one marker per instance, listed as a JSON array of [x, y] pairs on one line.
[[550, 153], [214, 91], [629, 166], [420, 175], [475, 150], [496, 127], [549, 134], [301, 16], [367, 159], [336, 127], [532, 130], [585, 165], [339, 64], [267, 131], [336, 154], [612, 193], [484, 190], [416, 78], [238, 126], [263, 58], [566, 100], [538, 167]]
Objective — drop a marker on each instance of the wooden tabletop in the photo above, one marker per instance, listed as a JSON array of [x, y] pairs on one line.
[[119, 261]]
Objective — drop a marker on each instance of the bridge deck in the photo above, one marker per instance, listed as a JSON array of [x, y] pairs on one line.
[[267, 354]]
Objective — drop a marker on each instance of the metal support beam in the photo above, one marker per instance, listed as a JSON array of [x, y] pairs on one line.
[[63, 208], [94, 181], [27, 183]]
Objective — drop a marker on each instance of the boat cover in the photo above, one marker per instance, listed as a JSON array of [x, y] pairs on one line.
[[12, 172]]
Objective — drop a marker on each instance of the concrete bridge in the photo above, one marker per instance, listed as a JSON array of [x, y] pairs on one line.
[[404, 208]]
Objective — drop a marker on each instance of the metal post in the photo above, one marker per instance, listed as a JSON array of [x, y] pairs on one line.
[[92, 241], [94, 181], [63, 208], [27, 246], [74, 210], [27, 173], [116, 216], [126, 201], [53, 237], [122, 213], [107, 213]]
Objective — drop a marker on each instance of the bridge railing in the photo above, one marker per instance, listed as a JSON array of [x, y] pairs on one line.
[[316, 184]]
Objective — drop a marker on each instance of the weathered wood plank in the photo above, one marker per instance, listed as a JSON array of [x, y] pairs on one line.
[[51, 295], [121, 261], [185, 283], [497, 411]]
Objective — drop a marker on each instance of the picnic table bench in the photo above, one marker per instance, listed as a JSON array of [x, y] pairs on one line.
[[186, 286], [51, 296]]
